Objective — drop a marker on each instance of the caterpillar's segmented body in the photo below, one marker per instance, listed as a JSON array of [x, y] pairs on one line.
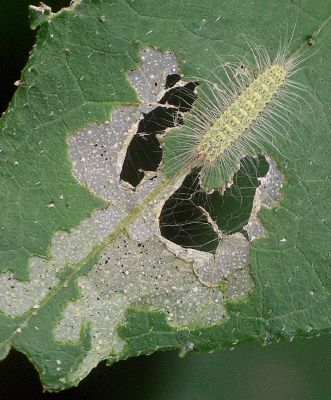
[[235, 119], [241, 113]]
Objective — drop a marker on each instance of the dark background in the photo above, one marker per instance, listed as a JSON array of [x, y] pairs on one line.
[[300, 370]]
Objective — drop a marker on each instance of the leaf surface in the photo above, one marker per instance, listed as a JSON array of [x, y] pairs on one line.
[[86, 274]]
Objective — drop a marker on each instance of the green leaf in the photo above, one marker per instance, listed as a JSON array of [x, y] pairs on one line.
[[86, 274], [39, 14]]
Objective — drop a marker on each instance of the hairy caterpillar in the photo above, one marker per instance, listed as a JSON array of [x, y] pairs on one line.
[[235, 119]]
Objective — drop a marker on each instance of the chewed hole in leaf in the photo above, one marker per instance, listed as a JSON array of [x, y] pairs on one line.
[[171, 80], [144, 152], [184, 217]]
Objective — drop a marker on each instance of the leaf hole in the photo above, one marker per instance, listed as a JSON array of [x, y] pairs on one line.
[[171, 80], [183, 217], [144, 152]]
